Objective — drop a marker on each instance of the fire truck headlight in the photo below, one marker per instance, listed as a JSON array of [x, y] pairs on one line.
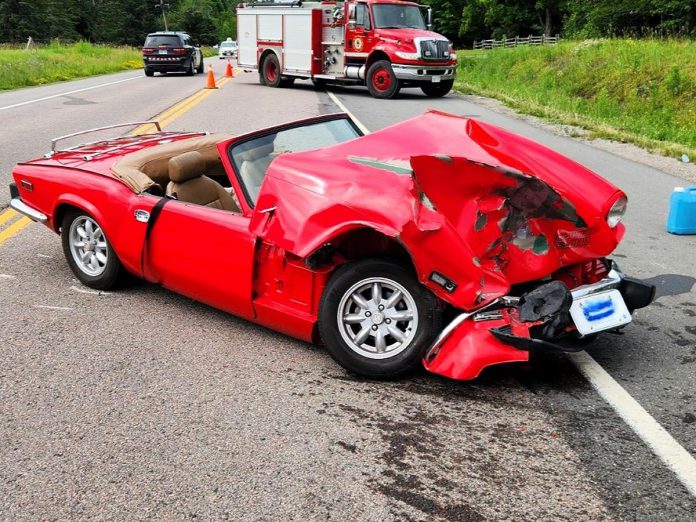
[[407, 56]]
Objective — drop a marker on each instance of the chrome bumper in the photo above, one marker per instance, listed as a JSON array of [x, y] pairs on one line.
[[635, 293], [21, 207], [424, 73]]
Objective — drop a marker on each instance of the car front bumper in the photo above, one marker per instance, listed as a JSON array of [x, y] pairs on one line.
[[20, 206], [424, 73], [492, 335]]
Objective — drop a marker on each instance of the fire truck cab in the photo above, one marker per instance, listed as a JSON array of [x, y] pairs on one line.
[[384, 44]]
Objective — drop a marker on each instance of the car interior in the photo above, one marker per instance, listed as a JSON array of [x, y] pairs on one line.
[[189, 170], [192, 171]]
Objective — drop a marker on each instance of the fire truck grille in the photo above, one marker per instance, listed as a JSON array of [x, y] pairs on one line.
[[434, 50]]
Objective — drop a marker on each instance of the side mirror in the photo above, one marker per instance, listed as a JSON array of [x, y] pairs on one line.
[[430, 18]]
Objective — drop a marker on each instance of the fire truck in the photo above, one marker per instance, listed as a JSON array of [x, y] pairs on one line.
[[384, 44]]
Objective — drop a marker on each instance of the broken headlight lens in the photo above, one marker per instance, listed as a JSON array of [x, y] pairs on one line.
[[616, 212]]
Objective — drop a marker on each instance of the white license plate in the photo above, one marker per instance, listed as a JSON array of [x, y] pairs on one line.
[[436, 79], [163, 51], [599, 312]]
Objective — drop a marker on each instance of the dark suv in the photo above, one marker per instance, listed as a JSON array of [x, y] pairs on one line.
[[165, 52]]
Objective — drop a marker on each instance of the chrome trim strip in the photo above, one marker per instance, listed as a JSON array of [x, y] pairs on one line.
[[613, 280], [439, 341], [21, 207]]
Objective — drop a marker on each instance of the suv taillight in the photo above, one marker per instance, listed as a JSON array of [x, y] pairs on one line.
[[148, 51], [179, 51]]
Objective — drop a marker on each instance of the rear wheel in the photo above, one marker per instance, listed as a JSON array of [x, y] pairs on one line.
[[270, 70], [88, 251], [376, 319], [381, 80], [201, 66], [191, 69], [148, 72], [437, 90]]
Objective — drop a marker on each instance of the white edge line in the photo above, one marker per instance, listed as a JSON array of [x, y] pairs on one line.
[[669, 451], [658, 439], [85, 291], [345, 109], [37, 100], [65, 308]]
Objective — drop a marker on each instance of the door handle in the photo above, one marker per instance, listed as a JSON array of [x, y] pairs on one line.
[[141, 215]]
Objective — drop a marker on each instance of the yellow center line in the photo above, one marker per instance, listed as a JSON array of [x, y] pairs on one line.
[[174, 112], [14, 228], [7, 215]]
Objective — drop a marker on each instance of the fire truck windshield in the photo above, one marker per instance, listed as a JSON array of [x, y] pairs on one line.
[[394, 16]]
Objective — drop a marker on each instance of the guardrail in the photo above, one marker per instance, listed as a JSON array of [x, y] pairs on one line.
[[514, 42]]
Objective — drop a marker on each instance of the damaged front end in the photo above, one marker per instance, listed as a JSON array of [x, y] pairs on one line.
[[550, 317]]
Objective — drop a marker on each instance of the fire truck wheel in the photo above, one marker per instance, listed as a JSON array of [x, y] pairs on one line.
[[381, 80], [270, 69], [437, 90]]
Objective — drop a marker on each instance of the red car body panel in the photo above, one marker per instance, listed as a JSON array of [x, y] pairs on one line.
[[485, 207]]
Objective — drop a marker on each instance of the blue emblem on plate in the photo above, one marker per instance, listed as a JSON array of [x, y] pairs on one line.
[[596, 310]]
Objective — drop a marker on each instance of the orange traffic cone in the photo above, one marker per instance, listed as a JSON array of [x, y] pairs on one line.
[[211, 78], [229, 72]]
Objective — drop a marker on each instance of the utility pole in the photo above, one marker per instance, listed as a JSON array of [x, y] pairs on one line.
[[161, 5]]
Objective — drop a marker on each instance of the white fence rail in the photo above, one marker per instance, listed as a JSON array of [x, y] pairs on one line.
[[514, 42]]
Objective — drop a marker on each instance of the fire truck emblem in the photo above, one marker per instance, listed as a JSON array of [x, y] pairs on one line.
[[358, 44]]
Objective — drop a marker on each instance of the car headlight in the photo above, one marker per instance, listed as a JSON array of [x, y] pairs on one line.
[[616, 212], [407, 56]]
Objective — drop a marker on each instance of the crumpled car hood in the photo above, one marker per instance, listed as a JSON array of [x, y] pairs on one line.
[[484, 206]]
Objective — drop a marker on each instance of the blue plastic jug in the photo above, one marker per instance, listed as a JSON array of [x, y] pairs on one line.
[[682, 211]]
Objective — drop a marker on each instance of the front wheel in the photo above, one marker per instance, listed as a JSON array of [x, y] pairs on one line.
[[381, 80], [437, 90], [88, 251], [376, 319]]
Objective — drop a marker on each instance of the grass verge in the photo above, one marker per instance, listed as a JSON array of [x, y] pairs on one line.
[[54, 63], [637, 91]]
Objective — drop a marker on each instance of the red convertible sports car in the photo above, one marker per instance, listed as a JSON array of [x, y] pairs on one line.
[[442, 240]]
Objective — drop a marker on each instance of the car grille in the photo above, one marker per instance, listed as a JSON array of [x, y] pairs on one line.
[[436, 50]]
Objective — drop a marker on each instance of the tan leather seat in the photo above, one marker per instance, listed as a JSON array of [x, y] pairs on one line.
[[254, 164], [189, 183]]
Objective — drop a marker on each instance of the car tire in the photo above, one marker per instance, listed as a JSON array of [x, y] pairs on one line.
[[391, 347], [191, 69], [149, 73], [437, 90], [89, 252], [270, 71], [381, 80], [201, 66]]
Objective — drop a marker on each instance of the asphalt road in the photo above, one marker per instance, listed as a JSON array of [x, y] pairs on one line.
[[143, 404]]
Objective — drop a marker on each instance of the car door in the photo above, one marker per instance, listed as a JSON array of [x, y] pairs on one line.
[[204, 253]]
